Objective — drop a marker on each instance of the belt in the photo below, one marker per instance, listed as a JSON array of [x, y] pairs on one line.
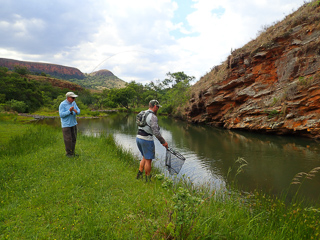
[[143, 133]]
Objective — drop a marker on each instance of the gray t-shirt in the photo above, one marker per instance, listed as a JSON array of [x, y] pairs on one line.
[[152, 128]]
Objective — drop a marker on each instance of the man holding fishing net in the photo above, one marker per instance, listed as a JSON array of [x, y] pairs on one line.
[[147, 127]]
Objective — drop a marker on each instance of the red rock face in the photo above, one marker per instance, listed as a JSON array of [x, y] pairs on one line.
[[273, 89], [52, 69]]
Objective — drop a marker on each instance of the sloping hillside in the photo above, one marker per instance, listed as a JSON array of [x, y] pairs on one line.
[[62, 84], [272, 84]]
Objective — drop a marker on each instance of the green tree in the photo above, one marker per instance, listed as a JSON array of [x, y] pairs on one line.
[[153, 90], [122, 96], [22, 89], [137, 90], [3, 71], [21, 70], [87, 97], [175, 78], [56, 102], [178, 94], [105, 99], [171, 92], [2, 98], [13, 86]]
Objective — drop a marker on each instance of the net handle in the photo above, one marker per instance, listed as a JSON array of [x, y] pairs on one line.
[[177, 154]]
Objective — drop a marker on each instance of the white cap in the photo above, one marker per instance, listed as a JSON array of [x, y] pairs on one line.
[[71, 94]]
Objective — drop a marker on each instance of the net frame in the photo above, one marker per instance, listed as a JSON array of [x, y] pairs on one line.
[[174, 161]]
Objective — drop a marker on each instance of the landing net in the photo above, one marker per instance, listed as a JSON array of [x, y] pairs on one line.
[[174, 161]]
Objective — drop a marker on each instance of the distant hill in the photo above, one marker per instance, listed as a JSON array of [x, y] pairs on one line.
[[102, 73], [98, 80], [53, 70]]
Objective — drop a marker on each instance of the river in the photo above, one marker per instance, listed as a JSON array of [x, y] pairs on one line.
[[272, 161]]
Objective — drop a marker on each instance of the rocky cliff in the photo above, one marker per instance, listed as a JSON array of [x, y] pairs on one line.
[[272, 84], [51, 69]]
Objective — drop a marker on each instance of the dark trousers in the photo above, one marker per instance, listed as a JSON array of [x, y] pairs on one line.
[[70, 138]]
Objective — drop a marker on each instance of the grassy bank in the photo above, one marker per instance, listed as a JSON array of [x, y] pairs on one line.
[[44, 195]]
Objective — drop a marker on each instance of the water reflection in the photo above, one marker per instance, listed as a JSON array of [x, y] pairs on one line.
[[210, 152]]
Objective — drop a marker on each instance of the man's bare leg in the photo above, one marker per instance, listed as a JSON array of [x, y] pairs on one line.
[[147, 166], [142, 164], [141, 168]]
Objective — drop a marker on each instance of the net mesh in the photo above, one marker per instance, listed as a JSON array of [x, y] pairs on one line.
[[174, 161]]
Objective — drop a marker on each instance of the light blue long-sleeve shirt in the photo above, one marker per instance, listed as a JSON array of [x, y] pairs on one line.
[[68, 119]]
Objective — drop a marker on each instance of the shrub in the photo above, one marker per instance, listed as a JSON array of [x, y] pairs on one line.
[[15, 105], [94, 113], [56, 102], [2, 98], [21, 70]]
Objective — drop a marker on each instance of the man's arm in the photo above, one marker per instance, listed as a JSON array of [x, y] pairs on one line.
[[63, 111], [76, 109], [156, 130]]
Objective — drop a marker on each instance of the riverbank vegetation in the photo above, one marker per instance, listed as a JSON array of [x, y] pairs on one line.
[[44, 195], [24, 93]]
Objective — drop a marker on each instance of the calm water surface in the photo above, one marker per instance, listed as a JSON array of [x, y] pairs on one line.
[[210, 152]]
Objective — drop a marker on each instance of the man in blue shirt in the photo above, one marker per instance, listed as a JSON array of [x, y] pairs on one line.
[[68, 110]]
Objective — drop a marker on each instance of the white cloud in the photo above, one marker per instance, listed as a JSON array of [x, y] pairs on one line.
[[238, 24], [137, 40]]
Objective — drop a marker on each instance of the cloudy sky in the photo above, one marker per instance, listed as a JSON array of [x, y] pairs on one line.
[[139, 40]]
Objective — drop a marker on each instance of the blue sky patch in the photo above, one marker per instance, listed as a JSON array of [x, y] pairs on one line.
[[180, 16], [218, 11], [178, 34]]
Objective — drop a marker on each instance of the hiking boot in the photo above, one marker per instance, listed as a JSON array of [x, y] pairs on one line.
[[139, 174], [148, 178]]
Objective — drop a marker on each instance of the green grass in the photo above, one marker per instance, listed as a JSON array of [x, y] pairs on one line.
[[45, 195], [6, 133], [9, 129]]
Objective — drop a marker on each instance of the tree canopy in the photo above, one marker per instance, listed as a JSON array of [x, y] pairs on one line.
[[172, 92], [24, 95], [19, 93]]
